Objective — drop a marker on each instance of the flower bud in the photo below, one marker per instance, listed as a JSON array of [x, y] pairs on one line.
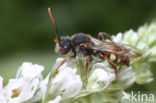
[[101, 77], [153, 57], [131, 37], [66, 83], [30, 71], [143, 74], [148, 34], [125, 79], [117, 38], [21, 90]]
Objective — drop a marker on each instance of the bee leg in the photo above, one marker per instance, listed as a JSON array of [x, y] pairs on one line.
[[84, 46], [127, 62], [56, 71], [113, 66], [103, 34], [88, 58]]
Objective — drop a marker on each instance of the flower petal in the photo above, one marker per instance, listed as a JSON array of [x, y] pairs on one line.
[[56, 100], [101, 77], [21, 90], [1, 82], [29, 71], [67, 83]]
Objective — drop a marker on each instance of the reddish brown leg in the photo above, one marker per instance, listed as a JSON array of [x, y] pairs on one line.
[[56, 71], [113, 66], [103, 34], [87, 46], [86, 67], [116, 60], [127, 62], [84, 46]]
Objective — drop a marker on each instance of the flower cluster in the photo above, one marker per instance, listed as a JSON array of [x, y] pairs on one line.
[[145, 40], [25, 87], [68, 84]]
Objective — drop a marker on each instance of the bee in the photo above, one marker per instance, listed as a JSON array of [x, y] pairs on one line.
[[85, 46]]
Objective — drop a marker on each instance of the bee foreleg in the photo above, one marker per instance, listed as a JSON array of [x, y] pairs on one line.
[[88, 58], [56, 71], [113, 66], [103, 34]]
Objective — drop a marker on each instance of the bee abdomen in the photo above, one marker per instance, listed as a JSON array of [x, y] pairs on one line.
[[122, 60]]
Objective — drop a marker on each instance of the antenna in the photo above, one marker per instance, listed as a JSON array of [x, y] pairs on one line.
[[54, 23]]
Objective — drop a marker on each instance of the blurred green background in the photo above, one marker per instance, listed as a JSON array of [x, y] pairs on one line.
[[27, 33]]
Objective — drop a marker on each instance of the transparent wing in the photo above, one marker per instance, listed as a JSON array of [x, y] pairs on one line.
[[120, 49]]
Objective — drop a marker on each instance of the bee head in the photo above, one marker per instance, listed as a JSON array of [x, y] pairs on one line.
[[63, 46]]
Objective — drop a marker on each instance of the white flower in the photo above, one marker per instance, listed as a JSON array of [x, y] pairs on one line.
[[3, 97], [153, 49], [27, 87], [125, 79], [66, 82], [56, 100], [21, 90], [131, 37], [148, 34], [41, 90], [1, 83], [127, 74], [29, 71], [143, 73], [117, 38], [101, 77]]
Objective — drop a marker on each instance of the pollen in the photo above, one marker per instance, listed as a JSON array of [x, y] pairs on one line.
[[16, 92], [112, 57]]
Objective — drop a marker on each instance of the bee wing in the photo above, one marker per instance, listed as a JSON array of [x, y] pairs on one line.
[[120, 49], [130, 51]]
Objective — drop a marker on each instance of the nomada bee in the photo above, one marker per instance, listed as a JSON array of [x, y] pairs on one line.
[[86, 46]]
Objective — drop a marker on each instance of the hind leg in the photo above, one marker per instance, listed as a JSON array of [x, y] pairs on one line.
[[113, 66], [88, 58], [103, 34]]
